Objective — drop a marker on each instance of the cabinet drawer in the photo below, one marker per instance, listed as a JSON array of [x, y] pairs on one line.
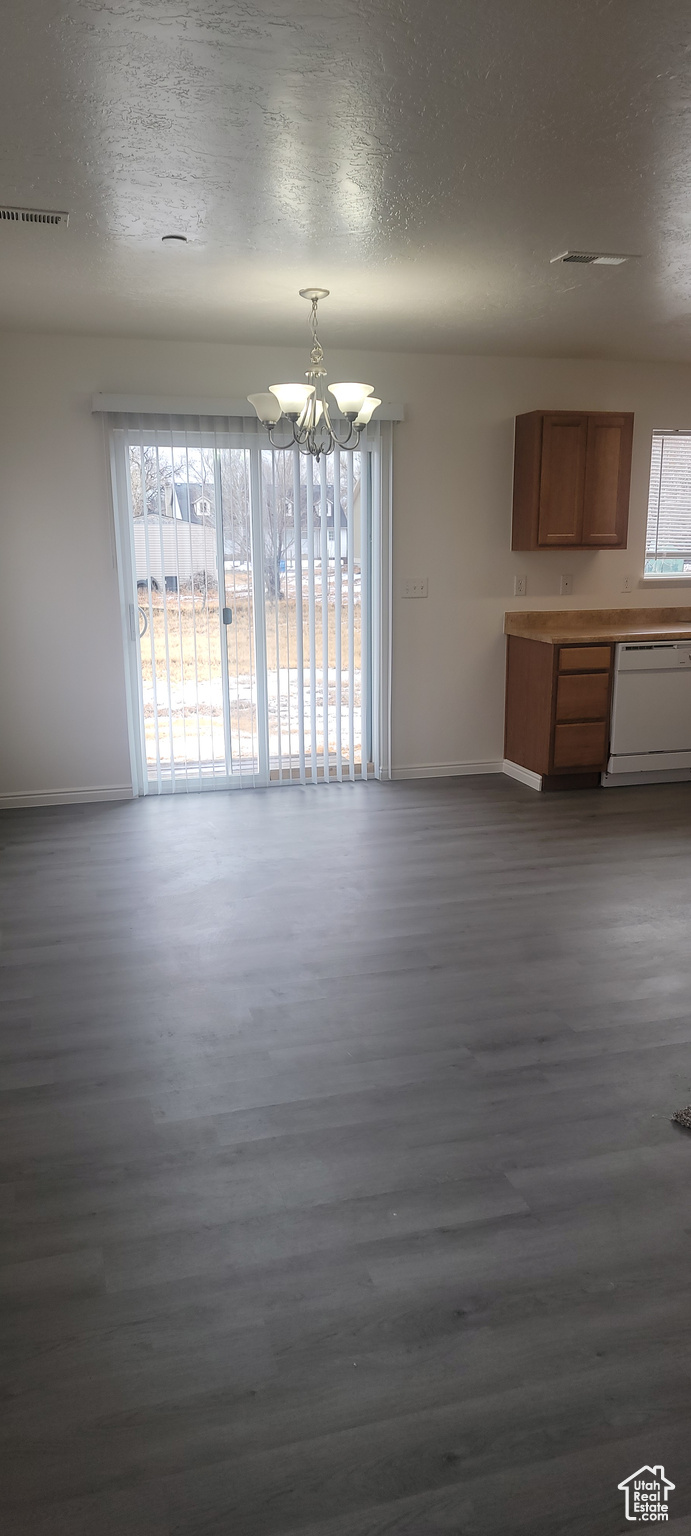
[[583, 696], [585, 658], [581, 746]]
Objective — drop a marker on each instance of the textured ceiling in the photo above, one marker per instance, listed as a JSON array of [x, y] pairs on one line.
[[421, 158]]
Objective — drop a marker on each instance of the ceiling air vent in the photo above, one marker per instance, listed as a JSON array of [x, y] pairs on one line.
[[33, 216], [593, 258]]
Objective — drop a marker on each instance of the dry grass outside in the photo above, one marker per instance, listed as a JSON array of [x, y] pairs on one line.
[[187, 644]]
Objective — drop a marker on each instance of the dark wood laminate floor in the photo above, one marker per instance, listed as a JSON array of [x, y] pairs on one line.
[[339, 1194]]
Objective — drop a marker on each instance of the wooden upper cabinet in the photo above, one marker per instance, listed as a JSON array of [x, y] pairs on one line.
[[608, 474], [562, 480], [572, 471]]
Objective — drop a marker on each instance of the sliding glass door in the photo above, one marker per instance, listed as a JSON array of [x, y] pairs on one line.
[[247, 576], [316, 525]]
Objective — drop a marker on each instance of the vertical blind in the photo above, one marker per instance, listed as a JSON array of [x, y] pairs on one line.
[[668, 538], [246, 575]]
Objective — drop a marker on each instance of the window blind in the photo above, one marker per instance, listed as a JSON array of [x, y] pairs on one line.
[[668, 540]]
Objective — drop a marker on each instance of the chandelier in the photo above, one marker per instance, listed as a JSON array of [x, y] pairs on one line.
[[304, 408]]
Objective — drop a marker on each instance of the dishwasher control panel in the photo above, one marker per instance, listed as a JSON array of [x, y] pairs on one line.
[[654, 656]]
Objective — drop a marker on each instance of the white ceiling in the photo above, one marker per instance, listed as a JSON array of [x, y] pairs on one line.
[[423, 159]]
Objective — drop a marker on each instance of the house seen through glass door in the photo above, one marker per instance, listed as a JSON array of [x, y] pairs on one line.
[[250, 569]]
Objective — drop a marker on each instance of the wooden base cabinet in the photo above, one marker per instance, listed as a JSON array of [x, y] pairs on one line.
[[558, 701], [572, 474]]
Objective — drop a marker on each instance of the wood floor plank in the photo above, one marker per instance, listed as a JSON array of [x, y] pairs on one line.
[[338, 1193]]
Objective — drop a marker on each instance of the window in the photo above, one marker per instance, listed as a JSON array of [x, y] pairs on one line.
[[668, 539]]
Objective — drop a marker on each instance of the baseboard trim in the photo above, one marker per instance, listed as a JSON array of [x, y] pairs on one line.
[[524, 775], [65, 797], [444, 770]]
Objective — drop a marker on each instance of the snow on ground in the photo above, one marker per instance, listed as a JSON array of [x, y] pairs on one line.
[[196, 708]]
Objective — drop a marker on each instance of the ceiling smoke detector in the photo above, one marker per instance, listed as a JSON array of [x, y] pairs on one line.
[[10, 215], [593, 258]]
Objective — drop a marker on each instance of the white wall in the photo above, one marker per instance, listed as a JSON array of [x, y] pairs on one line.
[[62, 708]]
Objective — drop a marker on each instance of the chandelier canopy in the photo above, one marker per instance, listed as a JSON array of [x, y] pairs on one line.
[[304, 407]]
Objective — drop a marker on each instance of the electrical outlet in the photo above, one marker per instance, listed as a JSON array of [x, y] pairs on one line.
[[627, 584], [520, 586], [415, 586], [566, 586]]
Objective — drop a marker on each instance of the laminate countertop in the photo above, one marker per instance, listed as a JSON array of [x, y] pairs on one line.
[[585, 626]]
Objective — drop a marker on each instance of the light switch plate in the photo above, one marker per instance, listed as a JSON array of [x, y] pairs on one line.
[[566, 586], [414, 586]]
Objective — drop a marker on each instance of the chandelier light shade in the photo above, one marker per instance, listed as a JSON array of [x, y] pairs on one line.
[[292, 398], [318, 412], [304, 408], [267, 408], [367, 411], [350, 398]]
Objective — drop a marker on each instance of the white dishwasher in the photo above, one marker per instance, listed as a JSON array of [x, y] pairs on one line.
[[651, 713]]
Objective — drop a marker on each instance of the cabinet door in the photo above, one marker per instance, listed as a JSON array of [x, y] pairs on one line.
[[562, 480], [607, 477]]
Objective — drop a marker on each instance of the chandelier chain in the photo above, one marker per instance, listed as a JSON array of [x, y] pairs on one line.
[[317, 353]]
